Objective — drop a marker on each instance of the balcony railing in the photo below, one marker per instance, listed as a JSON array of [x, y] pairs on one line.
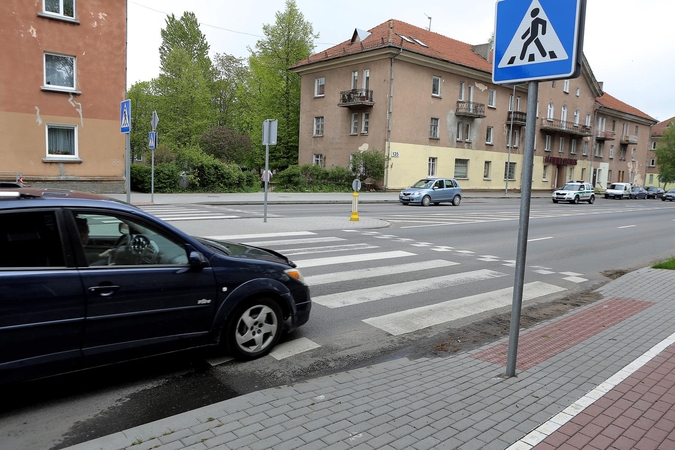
[[605, 135], [562, 126], [519, 117], [629, 139], [356, 98], [470, 109]]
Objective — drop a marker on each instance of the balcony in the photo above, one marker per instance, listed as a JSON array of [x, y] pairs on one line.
[[470, 109], [605, 135], [519, 117], [561, 126], [629, 139], [356, 98]]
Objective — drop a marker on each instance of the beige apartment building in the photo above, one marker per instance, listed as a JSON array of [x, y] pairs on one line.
[[428, 102], [62, 79], [657, 134]]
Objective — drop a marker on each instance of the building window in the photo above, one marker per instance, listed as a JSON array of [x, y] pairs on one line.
[[553, 84], [511, 102], [460, 129], [578, 92], [64, 8], [461, 168], [62, 140], [583, 173], [652, 163], [461, 91], [544, 174], [588, 120], [318, 126], [622, 153], [571, 173], [365, 123], [611, 152], [492, 98], [515, 135], [355, 124], [550, 112], [561, 148], [632, 157], [651, 178], [488, 135], [433, 129], [547, 144], [59, 71], [510, 171], [585, 152], [366, 79], [654, 145], [317, 160], [518, 103], [576, 117], [598, 149], [487, 169], [573, 147], [566, 86], [467, 132], [436, 87], [355, 79], [320, 87], [432, 167]]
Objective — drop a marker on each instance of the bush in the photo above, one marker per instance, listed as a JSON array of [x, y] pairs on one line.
[[311, 178]]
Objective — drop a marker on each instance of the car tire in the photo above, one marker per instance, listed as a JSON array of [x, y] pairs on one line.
[[576, 200], [456, 200], [426, 201], [437, 203], [254, 328], [591, 200], [555, 201]]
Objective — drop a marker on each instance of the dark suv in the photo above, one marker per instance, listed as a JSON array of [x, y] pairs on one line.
[[86, 280]]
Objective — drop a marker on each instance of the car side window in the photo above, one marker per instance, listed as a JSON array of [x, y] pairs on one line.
[[30, 239], [439, 184], [108, 239]]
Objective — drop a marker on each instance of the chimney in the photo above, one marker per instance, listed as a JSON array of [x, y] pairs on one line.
[[482, 50]]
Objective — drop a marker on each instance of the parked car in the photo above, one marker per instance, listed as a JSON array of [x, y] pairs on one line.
[[574, 192], [655, 192], [86, 280], [638, 192], [618, 190], [432, 190], [670, 195]]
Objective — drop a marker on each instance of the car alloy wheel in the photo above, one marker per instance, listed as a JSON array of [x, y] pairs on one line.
[[456, 200], [426, 200], [254, 329]]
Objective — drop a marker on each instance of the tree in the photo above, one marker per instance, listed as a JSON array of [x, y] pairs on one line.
[[143, 102], [184, 33], [665, 156], [226, 145], [275, 90], [231, 92]]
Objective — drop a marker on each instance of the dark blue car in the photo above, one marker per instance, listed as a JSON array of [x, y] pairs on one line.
[[86, 280]]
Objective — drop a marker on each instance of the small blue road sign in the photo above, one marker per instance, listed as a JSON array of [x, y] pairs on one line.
[[538, 40], [125, 116], [151, 140]]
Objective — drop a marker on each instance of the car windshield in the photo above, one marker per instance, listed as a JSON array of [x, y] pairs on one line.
[[572, 187], [615, 186], [424, 184]]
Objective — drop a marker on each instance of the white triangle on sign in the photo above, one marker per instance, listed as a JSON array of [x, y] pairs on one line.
[[535, 41]]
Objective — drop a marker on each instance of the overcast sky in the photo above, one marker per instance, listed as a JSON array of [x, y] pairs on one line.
[[629, 44]]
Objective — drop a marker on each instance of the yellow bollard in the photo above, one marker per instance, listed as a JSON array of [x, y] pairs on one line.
[[355, 207]]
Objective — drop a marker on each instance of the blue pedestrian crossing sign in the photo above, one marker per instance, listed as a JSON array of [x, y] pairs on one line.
[[538, 40], [125, 116], [151, 140]]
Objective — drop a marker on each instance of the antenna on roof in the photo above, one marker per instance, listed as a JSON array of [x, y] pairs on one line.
[[429, 21]]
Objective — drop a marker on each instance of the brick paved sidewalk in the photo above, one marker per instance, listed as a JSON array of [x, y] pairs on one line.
[[596, 378]]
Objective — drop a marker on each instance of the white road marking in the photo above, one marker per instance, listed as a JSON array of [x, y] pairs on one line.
[[176, 218], [575, 279], [327, 249], [316, 262], [292, 348], [540, 239], [627, 226], [297, 241], [242, 237], [376, 272], [418, 318], [341, 299]]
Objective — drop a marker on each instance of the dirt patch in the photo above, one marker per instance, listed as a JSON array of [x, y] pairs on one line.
[[614, 274], [478, 333]]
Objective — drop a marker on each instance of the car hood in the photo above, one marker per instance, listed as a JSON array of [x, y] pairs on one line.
[[236, 250], [411, 190]]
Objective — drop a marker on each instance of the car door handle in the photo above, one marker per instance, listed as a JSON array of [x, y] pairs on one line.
[[105, 290]]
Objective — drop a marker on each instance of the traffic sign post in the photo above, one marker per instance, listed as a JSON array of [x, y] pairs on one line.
[[153, 144], [356, 186], [125, 128], [269, 133], [535, 40]]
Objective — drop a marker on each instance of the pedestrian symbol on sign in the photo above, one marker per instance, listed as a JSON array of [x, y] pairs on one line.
[[535, 41]]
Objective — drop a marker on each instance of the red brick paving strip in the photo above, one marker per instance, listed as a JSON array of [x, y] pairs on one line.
[[547, 341], [637, 414]]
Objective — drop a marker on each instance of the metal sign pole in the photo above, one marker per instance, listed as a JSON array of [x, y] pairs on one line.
[[525, 197], [127, 167], [266, 178]]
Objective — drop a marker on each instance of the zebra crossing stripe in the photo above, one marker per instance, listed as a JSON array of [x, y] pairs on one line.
[[426, 316], [373, 272], [177, 218], [297, 241], [244, 237], [341, 299], [316, 262], [327, 249]]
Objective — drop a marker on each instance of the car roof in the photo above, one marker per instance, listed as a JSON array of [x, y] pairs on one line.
[[50, 197]]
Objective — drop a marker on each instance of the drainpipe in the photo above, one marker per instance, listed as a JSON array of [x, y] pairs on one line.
[[389, 114]]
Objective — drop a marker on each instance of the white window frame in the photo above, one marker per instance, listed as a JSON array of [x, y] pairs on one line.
[[573, 147], [61, 11], [611, 152], [431, 168], [433, 128], [561, 147], [355, 79], [551, 111], [436, 86], [632, 157], [566, 86], [365, 123], [467, 132], [318, 160], [515, 136], [487, 168], [578, 92], [548, 143], [366, 80], [510, 170], [319, 125], [460, 130], [588, 120], [461, 91], [585, 151], [320, 87], [58, 153], [492, 98], [463, 165], [354, 124], [652, 163], [489, 135], [544, 173], [48, 83], [576, 117]]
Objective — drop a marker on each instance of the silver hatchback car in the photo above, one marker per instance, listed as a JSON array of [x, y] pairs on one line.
[[432, 190]]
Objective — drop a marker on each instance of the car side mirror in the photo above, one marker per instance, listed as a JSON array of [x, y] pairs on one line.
[[197, 261]]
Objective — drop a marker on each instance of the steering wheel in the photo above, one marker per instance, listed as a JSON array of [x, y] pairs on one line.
[[129, 250]]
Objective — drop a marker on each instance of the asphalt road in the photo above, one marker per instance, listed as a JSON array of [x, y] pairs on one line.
[[461, 257]]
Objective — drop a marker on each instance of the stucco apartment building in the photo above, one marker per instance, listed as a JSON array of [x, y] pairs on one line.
[[62, 78], [657, 134], [428, 102]]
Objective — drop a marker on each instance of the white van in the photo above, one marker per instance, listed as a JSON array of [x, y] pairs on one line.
[[618, 190]]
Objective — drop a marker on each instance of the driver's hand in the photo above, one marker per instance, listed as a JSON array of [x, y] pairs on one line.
[[106, 253]]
